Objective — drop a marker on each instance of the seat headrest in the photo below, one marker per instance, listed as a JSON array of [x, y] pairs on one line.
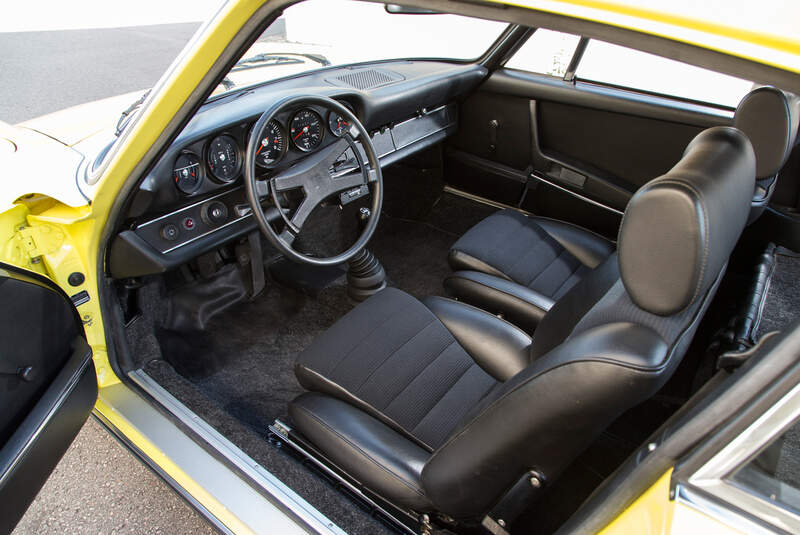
[[769, 117], [680, 228]]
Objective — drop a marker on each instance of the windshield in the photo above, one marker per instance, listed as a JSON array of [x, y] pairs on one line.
[[321, 33]]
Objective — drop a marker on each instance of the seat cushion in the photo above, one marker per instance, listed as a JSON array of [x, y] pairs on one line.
[[393, 358], [374, 454], [546, 256], [531, 262]]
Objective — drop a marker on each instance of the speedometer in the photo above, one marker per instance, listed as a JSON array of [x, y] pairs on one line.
[[306, 130], [272, 146], [223, 158]]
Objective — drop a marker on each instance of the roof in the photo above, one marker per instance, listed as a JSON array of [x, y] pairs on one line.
[[761, 30]]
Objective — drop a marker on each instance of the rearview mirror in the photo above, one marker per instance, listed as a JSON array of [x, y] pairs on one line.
[[397, 9]]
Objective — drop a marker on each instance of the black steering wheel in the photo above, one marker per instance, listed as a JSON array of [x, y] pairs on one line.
[[313, 174]]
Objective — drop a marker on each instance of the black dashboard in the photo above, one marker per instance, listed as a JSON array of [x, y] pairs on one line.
[[193, 200]]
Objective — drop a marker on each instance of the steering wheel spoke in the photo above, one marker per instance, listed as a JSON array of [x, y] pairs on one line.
[[287, 236], [290, 179], [301, 215]]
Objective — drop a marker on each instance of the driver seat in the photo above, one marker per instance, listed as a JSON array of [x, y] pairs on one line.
[[441, 407]]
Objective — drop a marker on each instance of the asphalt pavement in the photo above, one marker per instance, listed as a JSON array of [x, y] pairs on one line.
[[98, 487], [101, 488], [43, 72]]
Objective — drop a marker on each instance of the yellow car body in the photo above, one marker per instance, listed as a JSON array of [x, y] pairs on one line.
[[55, 231]]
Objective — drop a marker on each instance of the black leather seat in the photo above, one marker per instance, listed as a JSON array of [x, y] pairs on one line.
[[517, 266], [441, 407]]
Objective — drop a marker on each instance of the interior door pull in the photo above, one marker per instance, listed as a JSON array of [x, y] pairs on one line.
[[26, 373]]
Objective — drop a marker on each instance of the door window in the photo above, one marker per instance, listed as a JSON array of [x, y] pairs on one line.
[[616, 65]]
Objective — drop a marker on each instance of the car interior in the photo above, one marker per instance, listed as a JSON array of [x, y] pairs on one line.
[[454, 295]]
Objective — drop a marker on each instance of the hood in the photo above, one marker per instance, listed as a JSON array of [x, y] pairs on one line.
[[43, 155], [34, 163], [72, 125]]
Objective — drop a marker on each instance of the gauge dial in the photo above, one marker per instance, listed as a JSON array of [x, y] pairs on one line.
[[273, 145], [306, 130], [338, 124], [187, 172], [223, 158]]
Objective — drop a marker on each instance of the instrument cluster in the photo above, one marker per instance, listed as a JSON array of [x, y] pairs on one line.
[[288, 137]]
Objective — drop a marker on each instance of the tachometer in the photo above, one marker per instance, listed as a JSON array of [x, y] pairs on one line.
[[187, 172], [273, 145], [306, 130], [223, 158]]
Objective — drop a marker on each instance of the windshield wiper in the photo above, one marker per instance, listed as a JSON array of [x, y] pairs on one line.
[[270, 59], [127, 115]]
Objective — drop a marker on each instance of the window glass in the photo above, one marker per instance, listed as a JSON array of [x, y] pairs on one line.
[[617, 65], [545, 52], [321, 33], [775, 473]]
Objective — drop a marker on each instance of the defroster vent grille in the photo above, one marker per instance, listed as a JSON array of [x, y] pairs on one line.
[[366, 78]]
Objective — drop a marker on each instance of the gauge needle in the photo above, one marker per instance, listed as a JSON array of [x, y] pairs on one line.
[[301, 132], [259, 149]]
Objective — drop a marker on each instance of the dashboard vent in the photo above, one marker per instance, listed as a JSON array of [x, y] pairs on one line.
[[366, 78]]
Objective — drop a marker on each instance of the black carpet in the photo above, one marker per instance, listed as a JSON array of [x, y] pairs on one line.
[[303, 479], [783, 298], [237, 374]]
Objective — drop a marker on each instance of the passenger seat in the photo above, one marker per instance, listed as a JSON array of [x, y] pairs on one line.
[[518, 266]]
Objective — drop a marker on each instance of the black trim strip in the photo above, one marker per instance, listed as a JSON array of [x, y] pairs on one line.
[[569, 76]]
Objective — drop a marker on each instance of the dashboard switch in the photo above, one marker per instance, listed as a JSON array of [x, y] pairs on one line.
[[169, 232], [214, 213], [188, 223]]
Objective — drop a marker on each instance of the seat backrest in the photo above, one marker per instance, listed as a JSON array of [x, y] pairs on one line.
[[614, 339]]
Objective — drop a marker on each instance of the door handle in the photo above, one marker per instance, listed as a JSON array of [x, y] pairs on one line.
[[26, 373]]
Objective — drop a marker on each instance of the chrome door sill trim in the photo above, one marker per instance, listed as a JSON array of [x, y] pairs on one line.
[[259, 477], [484, 200]]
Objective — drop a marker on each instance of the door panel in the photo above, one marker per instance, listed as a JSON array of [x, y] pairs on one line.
[[583, 149], [629, 150], [47, 385]]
